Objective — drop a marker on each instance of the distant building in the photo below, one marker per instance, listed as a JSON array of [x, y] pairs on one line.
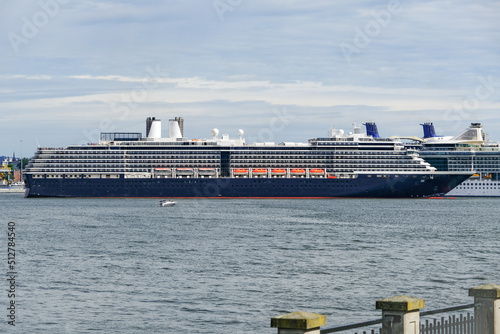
[[5, 171]]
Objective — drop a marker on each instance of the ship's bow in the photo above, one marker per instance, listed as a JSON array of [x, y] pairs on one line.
[[446, 181]]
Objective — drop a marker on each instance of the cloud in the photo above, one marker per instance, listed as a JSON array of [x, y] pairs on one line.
[[132, 99], [26, 77]]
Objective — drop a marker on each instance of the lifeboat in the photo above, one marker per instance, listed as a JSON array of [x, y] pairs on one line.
[[163, 171], [297, 171], [259, 171], [185, 171], [240, 171], [332, 176], [278, 171], [317, 171], [206, 171]]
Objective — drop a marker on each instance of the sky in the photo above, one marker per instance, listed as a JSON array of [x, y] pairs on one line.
[[280, 70]]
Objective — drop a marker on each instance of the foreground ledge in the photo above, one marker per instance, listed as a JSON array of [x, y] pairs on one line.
[[400, 303], [298, 322]]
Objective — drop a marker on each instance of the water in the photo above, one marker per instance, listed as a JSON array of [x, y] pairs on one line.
[[228, 266]]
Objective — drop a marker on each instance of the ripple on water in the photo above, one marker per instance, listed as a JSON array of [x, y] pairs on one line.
[[227, 266]]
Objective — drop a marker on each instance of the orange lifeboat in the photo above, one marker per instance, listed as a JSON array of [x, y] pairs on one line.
[[259, 171], [316, 171], [298, 171], [278, 171], [240, 171]]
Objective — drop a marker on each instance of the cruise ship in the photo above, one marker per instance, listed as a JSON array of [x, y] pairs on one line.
[[129, 165], [471, 151]]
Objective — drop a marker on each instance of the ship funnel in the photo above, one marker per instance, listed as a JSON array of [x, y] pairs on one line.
[[429, 131], [371, 129], [174, 130], [153, 128], [180, 121]]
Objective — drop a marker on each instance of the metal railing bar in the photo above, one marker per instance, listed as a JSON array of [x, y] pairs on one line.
[[333, 329], [447, 309], [356, 325]]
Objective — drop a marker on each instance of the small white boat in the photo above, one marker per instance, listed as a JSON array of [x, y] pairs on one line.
[[165, 202]]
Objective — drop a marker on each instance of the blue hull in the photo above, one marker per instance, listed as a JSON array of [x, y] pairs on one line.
[[390, 186]]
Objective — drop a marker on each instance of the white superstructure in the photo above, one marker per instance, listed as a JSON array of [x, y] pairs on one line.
[[468, 151]]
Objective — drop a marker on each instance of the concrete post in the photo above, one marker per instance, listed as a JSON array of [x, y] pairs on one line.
[[405, 313], [299, 323], [487, 308]]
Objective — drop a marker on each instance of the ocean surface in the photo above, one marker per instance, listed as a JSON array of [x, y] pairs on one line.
[[228, 266]]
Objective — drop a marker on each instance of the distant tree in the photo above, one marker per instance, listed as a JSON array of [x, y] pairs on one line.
[[25, 163], [9, 176]]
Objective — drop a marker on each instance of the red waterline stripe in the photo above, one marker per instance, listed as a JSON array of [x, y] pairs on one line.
[[445, 197], [344, 197], [218, 197]]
